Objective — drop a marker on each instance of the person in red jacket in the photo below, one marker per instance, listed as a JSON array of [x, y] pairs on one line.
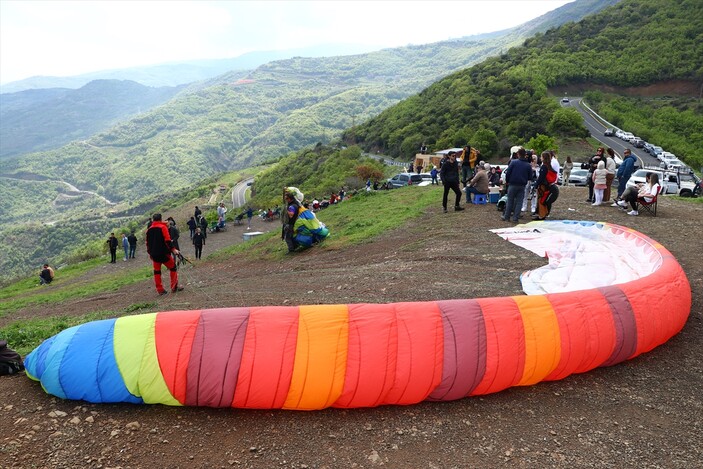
[[159, 247]]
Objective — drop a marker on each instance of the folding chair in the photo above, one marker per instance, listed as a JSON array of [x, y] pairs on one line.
[[651, 206]]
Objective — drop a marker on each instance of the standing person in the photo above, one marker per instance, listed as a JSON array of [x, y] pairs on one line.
[[46, 275], [341, 194], [161, 251], [599, 182], [433, 174], [592, 165], [566, 174], [250, 215], [192, 225], [627, 167], [125, 247], [450, 180], [610, 167], [112, 244], [517, 175], [173, 232], [221, 212], [547, 191], [203, 226], [132, 244], [466, 166], [197, 214], [198, 242]]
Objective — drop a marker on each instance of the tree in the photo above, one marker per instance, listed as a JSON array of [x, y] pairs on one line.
[[567, 122], [540, 143], [486, 141]]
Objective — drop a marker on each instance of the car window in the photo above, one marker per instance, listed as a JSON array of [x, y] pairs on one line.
[[416, 178]]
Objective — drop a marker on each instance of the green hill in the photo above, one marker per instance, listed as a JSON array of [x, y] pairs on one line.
[[35, 120], [228, 123], [508, 96]]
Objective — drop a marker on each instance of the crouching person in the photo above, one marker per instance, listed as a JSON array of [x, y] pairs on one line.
[[300, 225], [160, 249], [46, 276]]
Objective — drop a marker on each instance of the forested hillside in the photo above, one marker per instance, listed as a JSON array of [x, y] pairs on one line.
[[507, 96], [233, 122], [35, 120]]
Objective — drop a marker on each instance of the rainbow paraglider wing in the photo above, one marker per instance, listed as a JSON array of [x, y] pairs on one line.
[[362, 355]]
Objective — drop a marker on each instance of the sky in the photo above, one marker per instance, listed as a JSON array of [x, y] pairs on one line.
[[65, 38]]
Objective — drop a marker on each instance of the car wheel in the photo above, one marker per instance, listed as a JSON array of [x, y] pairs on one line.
[[686, 193]]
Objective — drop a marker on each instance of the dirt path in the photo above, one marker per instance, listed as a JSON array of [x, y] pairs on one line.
[[647, 412]]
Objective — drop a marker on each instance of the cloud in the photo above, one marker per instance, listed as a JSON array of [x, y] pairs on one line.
[[72, 37]]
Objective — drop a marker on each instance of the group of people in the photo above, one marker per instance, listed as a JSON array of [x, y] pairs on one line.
[[464, 167], [530, 177], [603, 171], [129, 245]]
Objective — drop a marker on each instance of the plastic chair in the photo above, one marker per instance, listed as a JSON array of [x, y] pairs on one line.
[[480, 199]]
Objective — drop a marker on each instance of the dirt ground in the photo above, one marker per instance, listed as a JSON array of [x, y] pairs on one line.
[[647, 412]]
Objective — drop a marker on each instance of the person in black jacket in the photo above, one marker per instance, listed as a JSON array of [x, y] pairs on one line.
[[161, 251], [132, 240], [198, 242], [517, 176], [449, 173], [112, 244]]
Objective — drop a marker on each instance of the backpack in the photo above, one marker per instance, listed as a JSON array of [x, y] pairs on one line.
[[10, 361]]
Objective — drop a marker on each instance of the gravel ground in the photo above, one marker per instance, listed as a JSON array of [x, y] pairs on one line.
[[647, 412]]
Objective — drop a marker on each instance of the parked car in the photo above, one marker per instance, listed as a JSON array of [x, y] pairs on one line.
[[627, 136], [640, 177], [578, 177], [665, 155], [618, 133], [405, 179], [656, 151], [609, 132], [637, 142]]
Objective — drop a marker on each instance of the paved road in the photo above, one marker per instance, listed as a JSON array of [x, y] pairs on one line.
[[239, 193], [597, 128]]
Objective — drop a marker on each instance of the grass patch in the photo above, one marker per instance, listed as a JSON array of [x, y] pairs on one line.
[[354, 221], [25, 336], [49, 296]]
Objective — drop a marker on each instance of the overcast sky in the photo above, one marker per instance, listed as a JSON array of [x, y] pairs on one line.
[[64, 38]]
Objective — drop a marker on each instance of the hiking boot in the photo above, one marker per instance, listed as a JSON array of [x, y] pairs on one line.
[[163, 292], [445, 210], [458, 208], [178, 288]]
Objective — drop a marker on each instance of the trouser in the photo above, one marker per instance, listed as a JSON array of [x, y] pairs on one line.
[[126, 253], [192, 232], [590, 187], [622, 184], [472, 190], [599, 196], [113, 255], [515, 195], [198, 251], [608, 182], [466, 174], [173, 272], [565, 177], [288, 235], [132, 251], [451, 186]]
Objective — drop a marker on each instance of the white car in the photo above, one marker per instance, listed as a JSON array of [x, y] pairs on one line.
[[619, 133], [627, 136], [665, 155]]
